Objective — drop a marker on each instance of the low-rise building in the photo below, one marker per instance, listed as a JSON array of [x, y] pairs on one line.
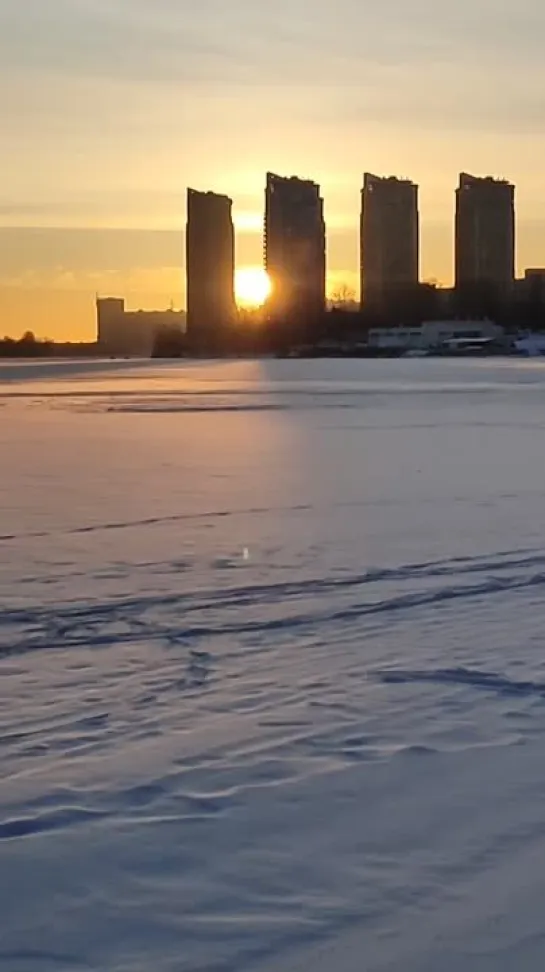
[[432, 334], [531, 287], [127, 333]]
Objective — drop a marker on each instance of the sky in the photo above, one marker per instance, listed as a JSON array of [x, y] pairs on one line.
[[111, 108]]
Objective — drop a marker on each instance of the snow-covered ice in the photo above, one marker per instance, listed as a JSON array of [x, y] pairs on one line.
[[272, 666]]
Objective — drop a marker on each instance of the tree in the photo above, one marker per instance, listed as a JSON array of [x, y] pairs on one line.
[[342, 297]]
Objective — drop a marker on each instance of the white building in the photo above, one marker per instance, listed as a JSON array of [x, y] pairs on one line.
[[432, 334]]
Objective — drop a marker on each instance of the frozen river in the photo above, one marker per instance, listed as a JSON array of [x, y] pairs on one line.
[[271, 666]]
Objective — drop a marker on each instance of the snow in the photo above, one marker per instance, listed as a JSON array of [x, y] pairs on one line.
[[273, 686]]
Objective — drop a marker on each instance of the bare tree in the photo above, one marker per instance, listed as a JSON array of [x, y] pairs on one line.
[[342, 296]]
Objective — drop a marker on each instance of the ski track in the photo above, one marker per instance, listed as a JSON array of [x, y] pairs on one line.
[[273, 679], [58, 626]]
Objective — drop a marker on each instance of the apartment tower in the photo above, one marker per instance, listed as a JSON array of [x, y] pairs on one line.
[[389, 239], [485, 234], [210, 268], [295, 251]]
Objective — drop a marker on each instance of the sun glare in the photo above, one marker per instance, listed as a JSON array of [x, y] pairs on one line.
[[252, 286]]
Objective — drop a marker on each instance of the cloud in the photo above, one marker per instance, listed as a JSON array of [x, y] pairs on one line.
[[158, 281], [238, 43], [110, 108]]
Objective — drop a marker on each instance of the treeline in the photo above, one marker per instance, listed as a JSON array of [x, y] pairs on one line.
[[28, 346]]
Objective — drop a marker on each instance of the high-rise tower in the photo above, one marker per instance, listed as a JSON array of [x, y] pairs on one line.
[[485, 234], [210, 268], [389, 239], [295, 252]]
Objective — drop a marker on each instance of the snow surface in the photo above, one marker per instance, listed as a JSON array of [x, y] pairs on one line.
[[272, 667]]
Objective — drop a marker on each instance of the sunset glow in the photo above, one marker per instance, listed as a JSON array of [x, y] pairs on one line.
[[215, 102], [252, 286]]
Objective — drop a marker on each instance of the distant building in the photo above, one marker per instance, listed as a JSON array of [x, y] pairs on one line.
[[432, 334], [533, 285], [295, 250], [132, 333], [528, 305], [485, 235], [210, 268], [110, 324], [445, 302], [389, 239]]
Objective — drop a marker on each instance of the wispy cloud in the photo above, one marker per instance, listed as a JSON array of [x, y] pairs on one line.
[[215, 42]]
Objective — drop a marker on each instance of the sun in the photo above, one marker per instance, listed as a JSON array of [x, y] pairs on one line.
[[252, 286]]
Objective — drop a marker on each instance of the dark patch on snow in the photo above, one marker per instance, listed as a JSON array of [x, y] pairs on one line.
[[487, 681]]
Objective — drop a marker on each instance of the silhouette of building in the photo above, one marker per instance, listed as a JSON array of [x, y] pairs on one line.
[[534, 284], [485, 236], [210, 268], [295, 253], [528, 305], [389, 239], [110, 324], [126, 333]]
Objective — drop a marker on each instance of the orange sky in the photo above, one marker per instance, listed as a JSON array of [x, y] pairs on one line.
[[111, 109]]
